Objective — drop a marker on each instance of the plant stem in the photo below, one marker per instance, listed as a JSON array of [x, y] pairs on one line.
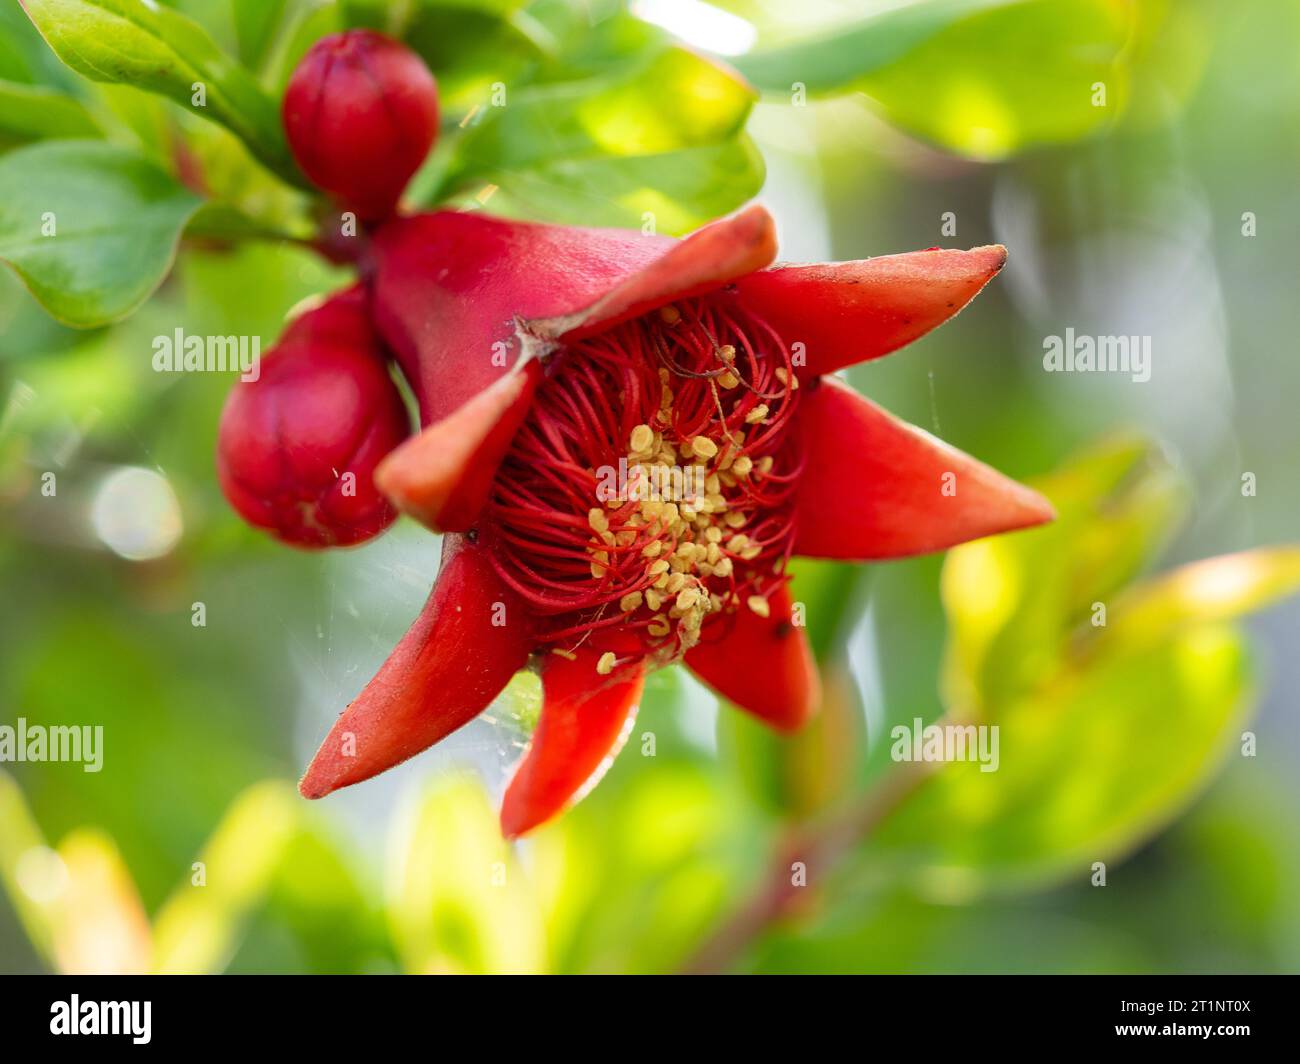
[[820, 848]]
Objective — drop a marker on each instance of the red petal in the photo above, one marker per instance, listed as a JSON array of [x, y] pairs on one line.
[[442, 476], [443, 673], [463, 297], [585, 719], [762, 664], [849, 312], [874, 486], [448, 288], [710, 257]]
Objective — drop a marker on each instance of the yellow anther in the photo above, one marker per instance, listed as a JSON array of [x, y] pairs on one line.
[[606, 663], [727, 353], [759, 605], [734, 519], [686, 598], [675, 583], [757, 414], [742, 465], [728, 380], [704, 447], [629, 602], [655, 568], [643, 437], [659, 627], [597, 520], [652, 549], [723, 568], [653, 599]]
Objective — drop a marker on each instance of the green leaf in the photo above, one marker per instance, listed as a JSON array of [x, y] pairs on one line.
[[305, 27], [664, 137], [1214, 589], [984, 78], [116, 219], [457, 900], [1085, 773], [256, 22], [31, 112], [471, 50], [154, 48], [1014, 601], [833, 60], [681, 190]]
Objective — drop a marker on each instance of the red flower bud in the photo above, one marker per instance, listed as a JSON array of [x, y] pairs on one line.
[[297, 447], [361, 113]]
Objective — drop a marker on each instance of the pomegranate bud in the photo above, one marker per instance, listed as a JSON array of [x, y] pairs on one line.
[[361, 113], [297, 448]]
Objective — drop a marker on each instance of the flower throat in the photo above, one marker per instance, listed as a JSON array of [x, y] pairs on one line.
[[650, 488]]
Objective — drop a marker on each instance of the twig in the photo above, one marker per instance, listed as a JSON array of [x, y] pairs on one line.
[[820, 848]]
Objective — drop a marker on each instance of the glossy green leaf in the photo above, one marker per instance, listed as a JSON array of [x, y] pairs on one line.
[[638, 872], [304, 28], [151, 47], [678, 191], [89, 227], [1014, 601], [457, 900], [1214, 589], [256, 22], [984, 79], [1087, 772], [833, 59], [31, 112], [663, 138]]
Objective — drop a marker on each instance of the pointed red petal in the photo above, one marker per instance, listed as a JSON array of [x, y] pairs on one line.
[[444, 672], [450, 287], [585, 719], [876, 487], [762, 664], [849, 312], [442, 476], [724, 251]]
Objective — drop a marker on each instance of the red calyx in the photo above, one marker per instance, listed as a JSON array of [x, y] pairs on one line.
[[297, 448], [361, 113]]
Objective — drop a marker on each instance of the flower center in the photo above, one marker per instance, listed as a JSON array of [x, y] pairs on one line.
[[650, 488]]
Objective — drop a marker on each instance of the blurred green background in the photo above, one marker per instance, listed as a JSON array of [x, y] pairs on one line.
[[1166, 210]]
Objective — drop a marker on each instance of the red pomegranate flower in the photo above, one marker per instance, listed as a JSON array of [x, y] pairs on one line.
[[626, 439]]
